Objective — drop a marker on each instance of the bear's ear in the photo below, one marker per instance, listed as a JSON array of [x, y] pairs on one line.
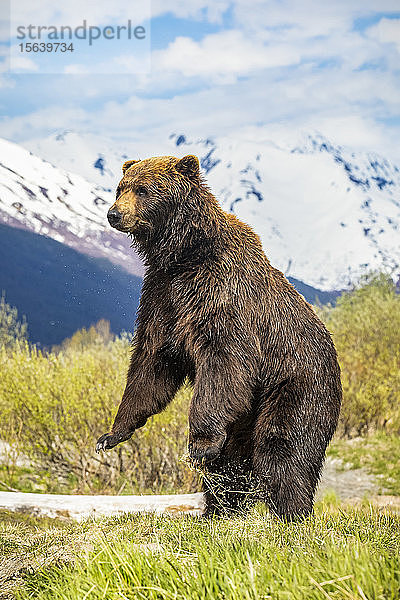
[[128, 164], [189, 166]]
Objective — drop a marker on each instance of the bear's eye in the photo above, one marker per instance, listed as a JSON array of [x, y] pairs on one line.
[[141, 191]]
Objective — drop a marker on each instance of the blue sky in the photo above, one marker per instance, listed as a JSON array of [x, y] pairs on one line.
[[220, 69]]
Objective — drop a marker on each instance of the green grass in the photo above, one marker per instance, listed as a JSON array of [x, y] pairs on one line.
[[379, 454], [340, 553]]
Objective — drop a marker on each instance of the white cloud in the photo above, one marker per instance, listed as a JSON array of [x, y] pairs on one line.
[[73, 12], [76, 69], [310, 18], [309, 102], [294, 17], [288, 64], [47, 119], [222, 55], [18, 62], [120, 64], [387, 31], [194, 9]]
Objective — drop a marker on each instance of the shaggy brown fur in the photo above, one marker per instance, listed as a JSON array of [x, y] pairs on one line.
[[266, 380]]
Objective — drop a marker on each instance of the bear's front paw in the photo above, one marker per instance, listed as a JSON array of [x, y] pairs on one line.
[[109, 440], [205, 451]]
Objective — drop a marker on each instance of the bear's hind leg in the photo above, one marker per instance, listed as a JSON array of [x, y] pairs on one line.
[[286, 477]]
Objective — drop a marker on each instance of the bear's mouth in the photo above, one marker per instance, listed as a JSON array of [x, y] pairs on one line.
[[135, 225], [121, 227]]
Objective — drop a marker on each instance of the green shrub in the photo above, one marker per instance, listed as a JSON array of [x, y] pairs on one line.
[[12, 330], [365, 324], [54, 406], [99, 333]]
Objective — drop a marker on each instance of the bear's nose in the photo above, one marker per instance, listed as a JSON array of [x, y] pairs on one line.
[[114, 216]]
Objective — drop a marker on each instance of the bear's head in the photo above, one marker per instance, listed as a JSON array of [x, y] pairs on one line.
[[151, 190]]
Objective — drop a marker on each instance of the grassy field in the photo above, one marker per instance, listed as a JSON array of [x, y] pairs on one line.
[[339, 553]]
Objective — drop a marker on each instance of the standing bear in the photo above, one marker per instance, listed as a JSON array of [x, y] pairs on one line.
[[264, 370]]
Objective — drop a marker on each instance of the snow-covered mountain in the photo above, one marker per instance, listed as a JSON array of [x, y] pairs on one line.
[[39, 197], [97, 159], [325, 213]]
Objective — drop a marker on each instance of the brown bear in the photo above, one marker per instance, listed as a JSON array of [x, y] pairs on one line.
[[263, 367]]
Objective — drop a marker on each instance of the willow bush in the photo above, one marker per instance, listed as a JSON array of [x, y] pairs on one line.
[[54, 406], [365, 324]]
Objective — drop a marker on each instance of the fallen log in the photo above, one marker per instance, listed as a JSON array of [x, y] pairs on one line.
[[82, 507]]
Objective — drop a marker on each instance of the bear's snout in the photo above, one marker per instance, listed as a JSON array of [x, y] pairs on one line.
[[114, 217]]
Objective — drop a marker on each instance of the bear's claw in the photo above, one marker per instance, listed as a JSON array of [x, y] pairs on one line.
[[203, 453], [204, 456], [109, 440]]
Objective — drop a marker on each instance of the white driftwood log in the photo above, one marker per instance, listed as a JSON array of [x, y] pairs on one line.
[[82, 507]]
